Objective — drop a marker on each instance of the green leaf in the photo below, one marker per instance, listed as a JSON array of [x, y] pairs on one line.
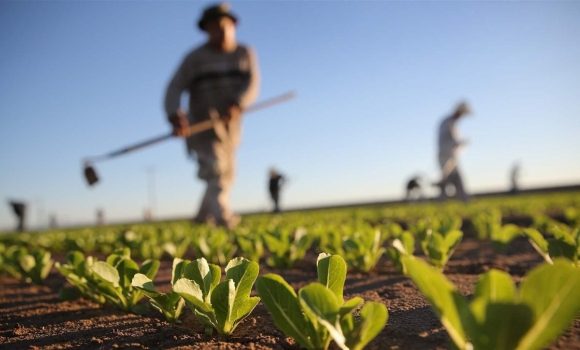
[[552, 293], [350, 306], [332, 273], [26, 262], [561, 248], [149, 268], [538, 242], [452, 240], [320, 303], [408, 241], [206, 275], [244, 273], [373, 318], [447, 303], [222, 301], [127, 268], [178, 269], [282, 302], [499, 325], [144, 284], [106, 272], [192, 292], [75, 258], [495, 286]]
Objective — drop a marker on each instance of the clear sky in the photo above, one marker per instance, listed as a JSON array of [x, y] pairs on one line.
[[374, 79]]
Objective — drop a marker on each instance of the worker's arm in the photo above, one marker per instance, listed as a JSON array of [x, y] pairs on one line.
[[178, 84], [248, 92]]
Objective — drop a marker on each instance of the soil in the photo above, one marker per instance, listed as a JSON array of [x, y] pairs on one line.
[[33, 317]]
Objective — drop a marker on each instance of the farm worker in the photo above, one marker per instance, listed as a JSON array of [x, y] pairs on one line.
[[274, 185], [449, 146], [222, 78], [514, 176], [19, 210]]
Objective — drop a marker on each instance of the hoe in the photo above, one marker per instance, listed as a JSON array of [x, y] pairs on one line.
[[92, 177]]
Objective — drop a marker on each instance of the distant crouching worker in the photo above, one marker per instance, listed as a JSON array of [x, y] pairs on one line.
[[275, 184], [414, 189], [449, 146], [19, 210]]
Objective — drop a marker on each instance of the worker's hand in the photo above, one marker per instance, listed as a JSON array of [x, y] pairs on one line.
[[180, 124], [233, 112]]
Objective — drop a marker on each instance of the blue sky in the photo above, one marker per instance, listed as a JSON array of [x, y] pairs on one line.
[[374, 78]]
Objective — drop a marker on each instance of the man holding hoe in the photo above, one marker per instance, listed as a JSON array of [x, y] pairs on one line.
[[222, 79]]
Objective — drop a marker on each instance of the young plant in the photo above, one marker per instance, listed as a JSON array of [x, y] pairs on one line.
[[169, 304], [402, 246], [176, 249], [489, 226], [286, 249], [78, 272], [220, 306], [563, 244], [114, 278], [499, 316], [318, 313], [32, 267], [439, 247], [363, 249], [215, 245], [250, 246]]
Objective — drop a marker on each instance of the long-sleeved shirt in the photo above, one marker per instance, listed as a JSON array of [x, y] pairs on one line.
[[215, 80], [448, 140]]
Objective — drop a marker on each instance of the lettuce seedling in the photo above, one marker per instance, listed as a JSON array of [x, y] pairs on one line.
[[32, 267], [169, 304], [499, 316], [220, 306], [318, 314], [404, 245], [363, 249], [214, 244], [114, 279], [250, 246], [286, 249], [565, 244], [488, 226], [439, 247], [78, 272], [177, 249]]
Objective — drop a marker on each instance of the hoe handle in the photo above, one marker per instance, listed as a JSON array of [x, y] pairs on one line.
[[194, 129]]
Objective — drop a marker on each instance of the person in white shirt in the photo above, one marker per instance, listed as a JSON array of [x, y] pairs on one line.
[[449, 146]]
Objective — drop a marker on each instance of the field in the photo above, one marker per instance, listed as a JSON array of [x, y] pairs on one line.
[[35, 316]]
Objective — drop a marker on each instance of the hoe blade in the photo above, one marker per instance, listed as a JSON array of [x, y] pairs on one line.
[[91, 175]]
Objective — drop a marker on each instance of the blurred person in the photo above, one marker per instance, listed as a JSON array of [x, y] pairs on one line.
[[274, 185], [19, 209], [100, 217], [514, 177], [222, 78], [449, 146], [53, 223], [414, 189]]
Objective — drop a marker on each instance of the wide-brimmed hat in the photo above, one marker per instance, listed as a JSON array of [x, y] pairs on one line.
[[215, 11]]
